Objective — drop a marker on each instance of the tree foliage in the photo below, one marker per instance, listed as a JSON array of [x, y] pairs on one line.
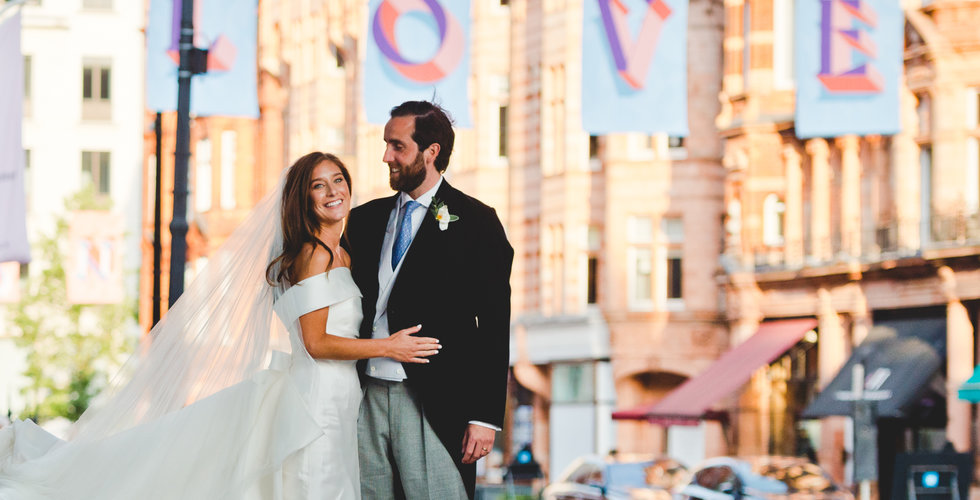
[[71, 348]]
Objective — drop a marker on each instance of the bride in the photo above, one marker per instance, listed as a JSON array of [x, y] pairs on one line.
[[222, 400]]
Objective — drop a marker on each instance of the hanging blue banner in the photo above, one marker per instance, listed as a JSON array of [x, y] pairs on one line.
[[634, 66], [848, 66], [229, 30], [13, 203], [417, 49]]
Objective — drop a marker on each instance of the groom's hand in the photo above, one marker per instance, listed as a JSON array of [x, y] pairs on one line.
[[477, 442]]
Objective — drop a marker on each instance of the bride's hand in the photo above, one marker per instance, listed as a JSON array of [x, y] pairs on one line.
[[405, 348]]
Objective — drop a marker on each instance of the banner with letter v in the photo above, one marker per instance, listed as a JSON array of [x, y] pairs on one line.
[[634, 66]]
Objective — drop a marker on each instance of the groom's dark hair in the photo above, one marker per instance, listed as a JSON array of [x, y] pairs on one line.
[[432, 126]]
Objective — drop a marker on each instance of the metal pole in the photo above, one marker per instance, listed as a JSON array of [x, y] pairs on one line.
[[857, 384], [178, 225], [157, 244]]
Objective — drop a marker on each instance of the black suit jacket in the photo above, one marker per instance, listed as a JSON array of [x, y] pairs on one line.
[[456, 284]]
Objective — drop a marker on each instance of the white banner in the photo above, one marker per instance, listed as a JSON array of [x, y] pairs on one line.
[[9, 283], [93, 271], [13, 223]]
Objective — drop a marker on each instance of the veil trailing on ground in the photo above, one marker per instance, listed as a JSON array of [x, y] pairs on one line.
[[218, 365]]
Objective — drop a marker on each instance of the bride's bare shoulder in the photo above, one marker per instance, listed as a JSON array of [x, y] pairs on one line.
[[312, 260]]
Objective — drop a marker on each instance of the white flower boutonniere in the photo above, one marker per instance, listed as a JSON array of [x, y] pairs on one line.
[[441, 212]]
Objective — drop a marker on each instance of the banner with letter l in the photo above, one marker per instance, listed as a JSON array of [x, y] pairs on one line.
[[13, 202]]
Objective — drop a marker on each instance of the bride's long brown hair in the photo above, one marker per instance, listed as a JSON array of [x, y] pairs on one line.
[[299, 221]]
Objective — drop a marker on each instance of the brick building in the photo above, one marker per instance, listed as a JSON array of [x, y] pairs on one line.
[[640, 260]]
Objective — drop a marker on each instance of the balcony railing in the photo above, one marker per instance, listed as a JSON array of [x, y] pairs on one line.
[[885, 242]]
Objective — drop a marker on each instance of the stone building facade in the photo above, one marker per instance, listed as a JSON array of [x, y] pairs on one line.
[[852, 231]]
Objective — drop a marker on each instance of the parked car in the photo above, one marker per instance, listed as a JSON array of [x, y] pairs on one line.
[[595, 478], [726, 478]]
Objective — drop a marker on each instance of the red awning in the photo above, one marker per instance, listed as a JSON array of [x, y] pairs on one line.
[[692, 400]]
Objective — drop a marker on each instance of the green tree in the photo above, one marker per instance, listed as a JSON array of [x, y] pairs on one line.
[[71, 348]]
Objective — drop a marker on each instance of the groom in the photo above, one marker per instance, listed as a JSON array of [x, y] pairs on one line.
[[432, 256]]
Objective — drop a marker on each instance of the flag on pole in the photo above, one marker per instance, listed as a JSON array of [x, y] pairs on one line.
[[417, 49], [13, 204], [229, 30]]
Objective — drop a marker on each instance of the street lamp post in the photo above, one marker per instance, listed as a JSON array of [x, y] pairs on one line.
[[192, 61]]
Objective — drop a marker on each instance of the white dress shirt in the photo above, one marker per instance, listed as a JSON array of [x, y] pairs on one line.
[[387, 368]]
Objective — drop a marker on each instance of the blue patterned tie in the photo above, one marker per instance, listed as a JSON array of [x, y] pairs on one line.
[[404, 233]]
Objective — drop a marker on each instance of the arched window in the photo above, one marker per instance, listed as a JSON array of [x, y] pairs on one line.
[[773, 219]]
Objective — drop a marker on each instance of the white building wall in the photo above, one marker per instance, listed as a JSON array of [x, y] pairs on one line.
[[59, 35]]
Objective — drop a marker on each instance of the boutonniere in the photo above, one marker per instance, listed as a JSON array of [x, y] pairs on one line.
[[441, 212]]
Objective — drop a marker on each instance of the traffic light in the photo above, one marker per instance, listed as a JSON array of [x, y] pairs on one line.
[[524, 467]]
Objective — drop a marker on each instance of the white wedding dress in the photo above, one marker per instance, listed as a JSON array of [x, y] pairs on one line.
[[328, 467], [289, 432]]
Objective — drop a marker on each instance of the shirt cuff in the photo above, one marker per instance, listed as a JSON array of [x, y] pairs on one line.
[[484, 424]]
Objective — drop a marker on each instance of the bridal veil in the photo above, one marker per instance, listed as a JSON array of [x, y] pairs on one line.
[[205, 408]]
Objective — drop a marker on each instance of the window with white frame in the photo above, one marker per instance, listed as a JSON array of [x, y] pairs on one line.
[[782, 47], [640, 146], [925, 190], [95, 171], [573, 383], [202, 175], [595, 164], [592, 265], [923, 110], [338, 55], [773, 220], [229, 146], [552, 274], [639, 233], [669, 147], [671, 280], [96, 89]]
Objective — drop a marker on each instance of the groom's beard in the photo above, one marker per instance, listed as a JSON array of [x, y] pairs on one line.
[[408, 177]]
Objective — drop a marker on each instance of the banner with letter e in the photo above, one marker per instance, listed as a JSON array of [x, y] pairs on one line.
[[229, 30], [417, 50], [13, 201], [634, 66], [849, 56]]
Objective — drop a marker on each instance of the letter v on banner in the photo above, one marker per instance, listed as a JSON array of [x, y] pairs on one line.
[[634, 66], [633, 59]]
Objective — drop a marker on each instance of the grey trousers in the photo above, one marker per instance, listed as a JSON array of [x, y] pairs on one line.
[[400, 455]]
